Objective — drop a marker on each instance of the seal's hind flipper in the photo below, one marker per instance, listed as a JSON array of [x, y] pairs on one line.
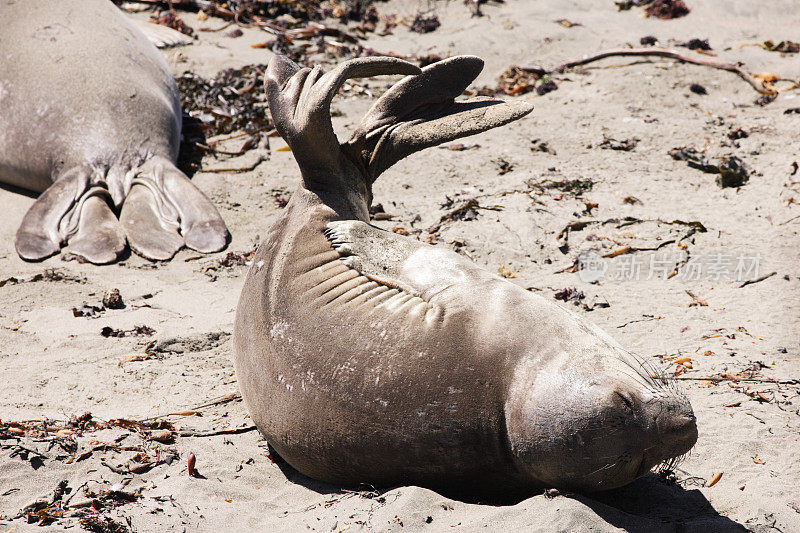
[[201, 225], [150, 226], [47, 223], [164, 210], [99, 239], [420, 111]]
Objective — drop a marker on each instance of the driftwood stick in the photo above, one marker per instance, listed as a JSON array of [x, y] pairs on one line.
[[749, 380], [230, 431], [761, 278], [661, 52], [232, 397], [247, 168]]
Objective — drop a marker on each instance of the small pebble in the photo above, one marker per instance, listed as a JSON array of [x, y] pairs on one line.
[[696, 88], [112, 299]]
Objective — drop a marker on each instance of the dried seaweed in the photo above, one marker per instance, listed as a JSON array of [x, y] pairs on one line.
[[784, 47], [624, 5], [229, 102], [662, 9], [624, 145], [761, 84], [75, 440], [547, 85], [102, 524], [503, 166], [737, 134], [87, 310], [429, 59], [170, 19], [696, 44], [136, 331], [570, 294], [573, 187], [50, 274], [227, 263], [425, 23], [462, 209], [667, 9], [518, 80], [538, 145], [732, 170]]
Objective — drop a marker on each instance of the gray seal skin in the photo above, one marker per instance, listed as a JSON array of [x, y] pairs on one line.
[[367, 357], [90, 117]]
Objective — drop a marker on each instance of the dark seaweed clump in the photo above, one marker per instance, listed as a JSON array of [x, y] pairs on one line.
[[732, 170], [231, 101]]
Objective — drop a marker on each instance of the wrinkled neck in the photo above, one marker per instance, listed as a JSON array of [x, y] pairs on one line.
[[347, 204], [345, 191]]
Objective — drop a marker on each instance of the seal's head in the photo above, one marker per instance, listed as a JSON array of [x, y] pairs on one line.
[[596, 420]]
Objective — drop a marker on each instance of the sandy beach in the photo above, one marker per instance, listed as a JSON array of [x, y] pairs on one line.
[[702, 280]]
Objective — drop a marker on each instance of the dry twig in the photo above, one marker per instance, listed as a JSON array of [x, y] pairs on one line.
[[211, 433], [761, 278], [661, 52]]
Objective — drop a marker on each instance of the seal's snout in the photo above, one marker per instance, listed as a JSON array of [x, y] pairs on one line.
[[677, 430], [671, 427]]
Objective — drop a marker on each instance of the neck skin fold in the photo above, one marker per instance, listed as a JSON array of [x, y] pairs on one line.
[[345, 191]]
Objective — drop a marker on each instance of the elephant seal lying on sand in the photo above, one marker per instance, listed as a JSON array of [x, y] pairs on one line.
[[90, 115], [368, 357]]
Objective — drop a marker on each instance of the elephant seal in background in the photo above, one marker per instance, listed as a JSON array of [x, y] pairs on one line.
[[90, 117], [368, 357]]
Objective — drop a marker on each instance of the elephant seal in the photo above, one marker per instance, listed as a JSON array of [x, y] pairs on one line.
[[90, 117], [367, 357]]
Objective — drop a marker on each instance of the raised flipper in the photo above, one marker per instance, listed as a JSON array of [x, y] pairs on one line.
[[399, 262], [299, 100], [421, 111], [164, 210]]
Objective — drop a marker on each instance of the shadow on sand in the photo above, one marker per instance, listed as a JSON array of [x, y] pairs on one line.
[[19, 190], [647, 505], [651, 504]]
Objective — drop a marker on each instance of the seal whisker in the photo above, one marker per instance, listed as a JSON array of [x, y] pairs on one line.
[[648, 385]]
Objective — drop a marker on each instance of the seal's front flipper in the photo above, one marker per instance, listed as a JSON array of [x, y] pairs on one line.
[[400, 262], [378, 254], [99, 239], [47, 223], [161, 36], [164, 210]]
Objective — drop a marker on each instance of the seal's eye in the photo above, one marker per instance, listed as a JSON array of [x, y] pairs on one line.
[[626, 400]]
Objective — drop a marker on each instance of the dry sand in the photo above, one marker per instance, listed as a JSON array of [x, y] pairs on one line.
[[55, 365]]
